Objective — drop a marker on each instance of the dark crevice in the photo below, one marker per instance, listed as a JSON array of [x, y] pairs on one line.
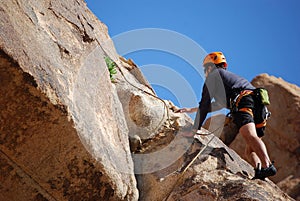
[[84, 35]]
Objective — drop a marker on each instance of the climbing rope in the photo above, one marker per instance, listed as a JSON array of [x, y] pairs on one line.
[[168, 118], [146, 92], [193, 160]]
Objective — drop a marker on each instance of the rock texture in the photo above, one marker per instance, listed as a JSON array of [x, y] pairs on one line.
[[63, 131], [145, 113], [218, 173], [282, 135], [41, 153], [64, 126]]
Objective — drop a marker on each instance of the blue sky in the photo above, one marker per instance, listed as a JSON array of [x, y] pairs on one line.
[[258, 36]]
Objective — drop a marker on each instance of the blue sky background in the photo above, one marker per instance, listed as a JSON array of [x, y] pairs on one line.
[[258, 36]]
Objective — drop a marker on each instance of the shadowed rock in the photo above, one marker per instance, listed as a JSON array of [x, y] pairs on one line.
[[63, 134]]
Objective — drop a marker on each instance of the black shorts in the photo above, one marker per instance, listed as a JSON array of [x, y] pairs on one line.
[[242, 118]]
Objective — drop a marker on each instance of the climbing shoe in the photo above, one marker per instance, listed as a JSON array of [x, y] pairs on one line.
[[265, 172]]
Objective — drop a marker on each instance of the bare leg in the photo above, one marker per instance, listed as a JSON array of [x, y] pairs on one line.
[[248, 132], [252, 156]]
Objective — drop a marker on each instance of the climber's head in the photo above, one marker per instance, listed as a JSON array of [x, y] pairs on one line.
[[214, 60]]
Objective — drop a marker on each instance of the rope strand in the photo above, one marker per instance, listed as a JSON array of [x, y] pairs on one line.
[[166, 110], [193, 160]]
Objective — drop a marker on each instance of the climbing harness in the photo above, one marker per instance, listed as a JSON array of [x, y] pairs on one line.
[[235, 102], [260, 113]]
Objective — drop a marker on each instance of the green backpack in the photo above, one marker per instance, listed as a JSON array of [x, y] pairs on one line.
[[261, 113], [262, 95]]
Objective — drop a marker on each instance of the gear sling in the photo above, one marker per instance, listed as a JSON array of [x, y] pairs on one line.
[[260, 112]]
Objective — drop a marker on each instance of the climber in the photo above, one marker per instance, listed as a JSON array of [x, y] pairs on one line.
[[220, 88]]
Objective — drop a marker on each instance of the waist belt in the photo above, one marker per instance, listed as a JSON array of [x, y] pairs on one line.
[[241, 95], [235, 102]]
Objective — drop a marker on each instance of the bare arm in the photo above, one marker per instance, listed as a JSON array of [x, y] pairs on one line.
[[187, 110], [216, 106]]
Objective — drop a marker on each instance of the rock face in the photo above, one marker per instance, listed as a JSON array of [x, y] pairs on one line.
[[63, 131], [218, 173], [282, 135], [64, 126], [145, 113]]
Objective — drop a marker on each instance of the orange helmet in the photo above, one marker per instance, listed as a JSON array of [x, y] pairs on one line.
[[215, 58]]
